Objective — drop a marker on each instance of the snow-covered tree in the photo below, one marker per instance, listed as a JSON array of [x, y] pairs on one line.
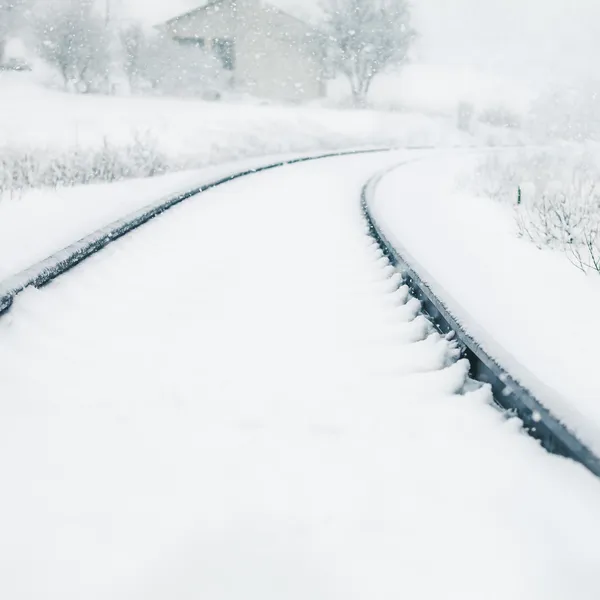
[[73, 38], [12, 16], [365, 37]]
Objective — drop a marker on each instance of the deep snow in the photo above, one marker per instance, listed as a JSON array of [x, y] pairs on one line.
[[234, 402], [532, 309]]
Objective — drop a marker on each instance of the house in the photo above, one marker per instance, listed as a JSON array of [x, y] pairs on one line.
[[270, 53]]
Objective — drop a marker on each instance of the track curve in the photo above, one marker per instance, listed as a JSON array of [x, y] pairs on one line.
[[241, 399], [57, 264], [509, 393]]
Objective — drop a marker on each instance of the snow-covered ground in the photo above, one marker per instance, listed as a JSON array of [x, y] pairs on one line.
[[202, 132], [38, 223], [439, 89], [42, 222], [234, 402], [535, 312], [189, 133]]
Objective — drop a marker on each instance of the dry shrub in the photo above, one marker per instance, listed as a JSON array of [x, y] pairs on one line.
[[24, 169], [556, 199]]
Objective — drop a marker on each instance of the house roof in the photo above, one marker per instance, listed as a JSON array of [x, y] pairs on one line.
[[278, 5], [203, 6]]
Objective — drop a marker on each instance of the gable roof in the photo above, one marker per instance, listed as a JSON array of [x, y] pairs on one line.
[[189, 13], [209, 3]]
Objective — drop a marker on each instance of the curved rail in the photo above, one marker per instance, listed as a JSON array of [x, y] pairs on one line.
[[62, 261], [508, 393]]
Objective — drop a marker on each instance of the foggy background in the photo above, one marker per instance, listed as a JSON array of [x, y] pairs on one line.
[[526, 65], [533, 42]]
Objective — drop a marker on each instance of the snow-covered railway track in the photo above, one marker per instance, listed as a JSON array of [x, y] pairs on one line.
[[509, 393], [57, 264], [240, 400]]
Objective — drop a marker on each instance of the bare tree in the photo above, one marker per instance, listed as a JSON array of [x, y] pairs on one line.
[[365, 37], [73, 38]]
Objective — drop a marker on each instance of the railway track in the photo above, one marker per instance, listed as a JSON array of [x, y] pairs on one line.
[[242, 390], [57, 264], [509, 394]]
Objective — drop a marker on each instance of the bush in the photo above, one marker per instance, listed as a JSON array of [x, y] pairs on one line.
[[556, 199], [21, 170]]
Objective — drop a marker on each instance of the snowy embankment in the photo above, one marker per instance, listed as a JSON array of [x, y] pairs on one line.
[[195, 133], [530, 308], [235, 401]]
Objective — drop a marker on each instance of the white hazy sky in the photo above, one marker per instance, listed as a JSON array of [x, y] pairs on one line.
[[537, 41]]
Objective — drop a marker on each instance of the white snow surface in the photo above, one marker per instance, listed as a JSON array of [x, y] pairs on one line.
[[200, 131], [236, 401], [532, 309], [39, 223]]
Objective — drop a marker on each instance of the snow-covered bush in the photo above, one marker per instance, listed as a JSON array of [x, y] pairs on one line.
[[25, 169], [556, 200]]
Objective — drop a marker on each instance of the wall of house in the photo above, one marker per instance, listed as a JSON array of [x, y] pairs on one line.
[[276, 56], [281, 58]]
